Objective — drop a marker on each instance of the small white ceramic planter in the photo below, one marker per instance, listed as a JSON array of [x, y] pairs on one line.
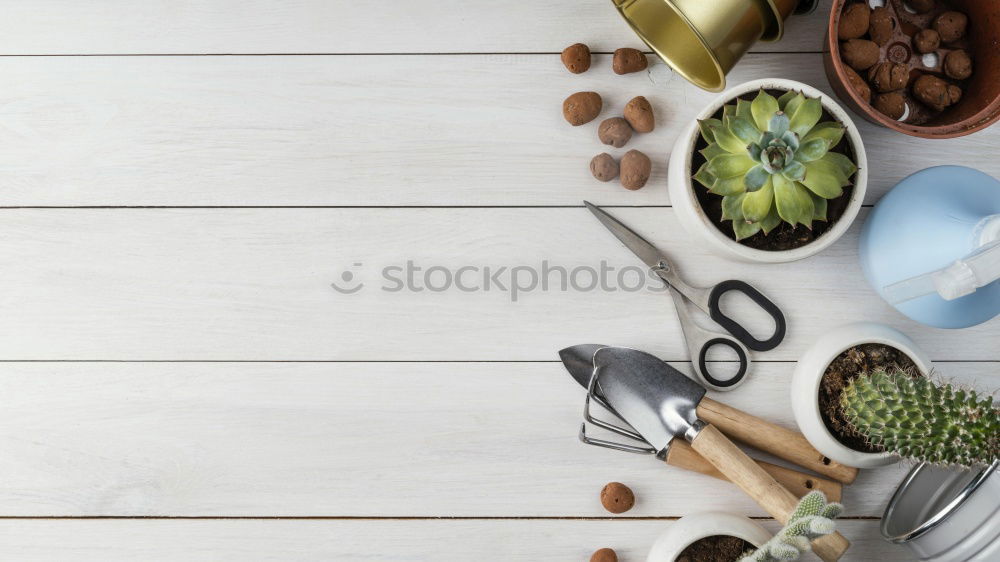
[[693, 218], [692, 528], [809, 373]]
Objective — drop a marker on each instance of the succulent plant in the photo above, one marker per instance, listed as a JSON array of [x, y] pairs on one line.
[[920, 420], [812, 518], [770, 161]]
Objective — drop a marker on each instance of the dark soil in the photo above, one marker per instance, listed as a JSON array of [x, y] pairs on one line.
[[784, 236], [717, 548], [849, 365]]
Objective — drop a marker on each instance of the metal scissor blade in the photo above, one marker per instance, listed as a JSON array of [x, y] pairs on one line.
[[647, 252]]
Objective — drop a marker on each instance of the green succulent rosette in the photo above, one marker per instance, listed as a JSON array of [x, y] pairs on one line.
[[770, 160]]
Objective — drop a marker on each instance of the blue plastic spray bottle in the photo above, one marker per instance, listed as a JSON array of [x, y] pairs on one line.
[[931, 247]]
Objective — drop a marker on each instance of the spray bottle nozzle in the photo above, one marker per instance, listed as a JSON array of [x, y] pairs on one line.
[[963, 277]]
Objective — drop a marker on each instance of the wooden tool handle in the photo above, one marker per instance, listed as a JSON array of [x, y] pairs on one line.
[[759, 485], [681, 455], [766, 436]]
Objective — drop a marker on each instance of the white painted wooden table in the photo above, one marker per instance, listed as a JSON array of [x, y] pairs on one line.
[[181, 183]]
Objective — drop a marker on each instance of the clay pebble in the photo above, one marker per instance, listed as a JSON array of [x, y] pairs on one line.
[[626, 60], [932, 92], [859, 54], [891, 104], [635, 170], [604, 555], [954, 93], [958, 65], [614, 131], [888, 76], [604, 167], [859, 84], [639, 114], [951, 26], [926, 41], [582, 107], [615, 496], [576, 58], [881, 25], [853, 22]]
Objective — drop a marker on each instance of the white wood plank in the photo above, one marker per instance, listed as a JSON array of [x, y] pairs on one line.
[[322, 541], [356, 540], [346, 439], [255, 284], [359, 131], [331, 26]]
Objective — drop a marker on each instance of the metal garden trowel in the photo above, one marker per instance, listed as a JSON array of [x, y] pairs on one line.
[[781, 442], [660, 403]]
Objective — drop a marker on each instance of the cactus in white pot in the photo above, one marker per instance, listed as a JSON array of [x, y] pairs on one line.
[[917, 419], [812, 519]]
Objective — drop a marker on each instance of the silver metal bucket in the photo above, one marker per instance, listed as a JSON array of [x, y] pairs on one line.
[[947, 515]]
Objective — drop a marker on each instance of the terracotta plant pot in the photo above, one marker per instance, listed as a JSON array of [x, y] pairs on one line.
[[980, 103]]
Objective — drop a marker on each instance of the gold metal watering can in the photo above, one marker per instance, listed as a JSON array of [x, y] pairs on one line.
[[703, 39]]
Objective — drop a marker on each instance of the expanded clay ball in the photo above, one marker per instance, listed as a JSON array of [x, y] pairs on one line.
[[881, 25], [921, 6], [859, 54], [888, 76], [604, 167], [954, 93], [627, 60], [932, 91], [853, 21], [635, 170], [615, 496], [951, 26], [926, 41], [958, 65], [614, 131], [582, 107], [891, 104], [859, 84], [639, 114], [576, 58], [604, 555]]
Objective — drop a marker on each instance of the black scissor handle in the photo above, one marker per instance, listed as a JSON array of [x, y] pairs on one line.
[[703, 364], [733, 327]]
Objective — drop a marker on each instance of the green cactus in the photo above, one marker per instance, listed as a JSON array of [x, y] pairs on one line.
[[769, 159], [812, 518], [920, 420]]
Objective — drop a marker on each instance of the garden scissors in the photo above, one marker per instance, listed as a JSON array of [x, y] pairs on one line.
[[699, 340]]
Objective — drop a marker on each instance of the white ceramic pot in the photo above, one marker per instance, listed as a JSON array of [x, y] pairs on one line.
[[809, 373], [692, 528], [685, 201]]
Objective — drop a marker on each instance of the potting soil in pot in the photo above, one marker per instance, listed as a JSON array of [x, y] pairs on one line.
[[856, 361], [717, 548], [784, 236]]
